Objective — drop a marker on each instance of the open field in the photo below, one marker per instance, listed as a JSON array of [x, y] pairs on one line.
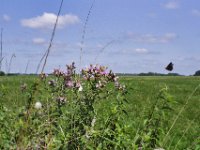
[[151, 103], [184, 92]]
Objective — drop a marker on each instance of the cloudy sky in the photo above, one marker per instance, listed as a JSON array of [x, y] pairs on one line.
[[129, 36]]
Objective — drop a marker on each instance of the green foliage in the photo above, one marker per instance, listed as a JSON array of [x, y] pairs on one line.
[[94, 111], [2, 73], [197, 73], [154, 125]]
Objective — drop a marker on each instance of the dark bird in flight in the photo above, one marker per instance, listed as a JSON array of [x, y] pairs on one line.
[[169, 66]]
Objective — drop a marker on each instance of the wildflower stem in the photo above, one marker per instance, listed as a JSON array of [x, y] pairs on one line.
[[84, 32], [102, 49], [52, 37], [1, 56]]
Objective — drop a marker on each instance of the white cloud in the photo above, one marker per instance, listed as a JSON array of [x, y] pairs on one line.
[[196, 12], [171, 5], [6, 18], [39, 41], [47, 21], [150, 38], [141, 50]]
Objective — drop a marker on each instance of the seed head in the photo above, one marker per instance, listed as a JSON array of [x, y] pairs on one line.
[[38, 105]]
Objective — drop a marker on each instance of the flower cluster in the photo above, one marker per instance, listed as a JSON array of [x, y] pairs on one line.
[[58, 73], [43, 76], [94, 72], [100, 76], [68, 77], [97, 75], [71, 69]]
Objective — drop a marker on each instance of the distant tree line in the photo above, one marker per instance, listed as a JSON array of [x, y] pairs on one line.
[[148, 74], [2, 73], [197, 73]]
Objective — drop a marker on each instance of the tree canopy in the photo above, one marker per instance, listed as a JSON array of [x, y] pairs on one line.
[[197, 73]]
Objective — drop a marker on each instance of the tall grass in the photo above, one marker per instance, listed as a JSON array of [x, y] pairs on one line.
[[46, 54], [84, 33], [180, 112]]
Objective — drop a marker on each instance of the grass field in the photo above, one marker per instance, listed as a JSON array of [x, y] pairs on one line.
[[183, 121], [143, 93]]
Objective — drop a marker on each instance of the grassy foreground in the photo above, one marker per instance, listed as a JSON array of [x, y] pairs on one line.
[[183, 122]]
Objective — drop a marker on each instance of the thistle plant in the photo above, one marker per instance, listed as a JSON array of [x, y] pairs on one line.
[[62, 110]]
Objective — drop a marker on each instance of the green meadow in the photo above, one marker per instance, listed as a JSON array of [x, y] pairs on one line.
[[182, 122]]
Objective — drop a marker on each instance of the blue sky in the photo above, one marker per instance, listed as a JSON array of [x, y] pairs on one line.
[[130, 36]]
